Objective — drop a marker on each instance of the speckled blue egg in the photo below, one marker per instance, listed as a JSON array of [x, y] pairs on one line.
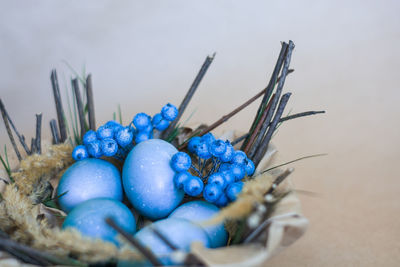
[[89, 218], [87, 179], [148, 179], [198, 212], [179, 232]]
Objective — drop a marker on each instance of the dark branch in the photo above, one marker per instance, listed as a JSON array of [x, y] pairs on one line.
[[134, 242], [20, 137], [38, 138], [189, 95], [78, 99], [59, 108], [10, 135], [90, 103]]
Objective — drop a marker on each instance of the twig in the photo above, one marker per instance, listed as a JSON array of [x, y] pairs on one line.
[[224, 118], [301, 114], [239, 139], [134, 242], [258, 127], [59, 108], [40, 257], [264, 224], [164, 239], [279, 180], [33, 145], [189, 95], [274, 103], [38, 138], [54, 131], [81, 115], [20, 137], [294, 116], [270, 88], [90, 102], [265, 142], [10, 135]]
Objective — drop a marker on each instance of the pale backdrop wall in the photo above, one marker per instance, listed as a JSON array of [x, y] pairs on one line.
[[143, 54]]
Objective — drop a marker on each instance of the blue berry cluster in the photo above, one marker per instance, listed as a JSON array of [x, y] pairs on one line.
[[110, 140], [219, 172], [114, 140]]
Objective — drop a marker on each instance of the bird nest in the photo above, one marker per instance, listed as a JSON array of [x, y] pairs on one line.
[[264, 219]]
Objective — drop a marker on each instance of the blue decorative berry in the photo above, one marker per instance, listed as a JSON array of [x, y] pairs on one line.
[[90, 136], [228, 154], [80, 153], [180, 179], [109, 147], [250, 168], [233, 190], [228, 176], [222, 200], [112, 124], [193, 144], [124, 136], [142, 136], [193, 186], [217, 178], [208, 138], [202, 150], [238, 171], [239, 157], [217, 148], [159, 122], [105, 132], [169, 112], [181, 162], [141, 121], [224, 167], [148, 129], [94, 149], [212, 192]]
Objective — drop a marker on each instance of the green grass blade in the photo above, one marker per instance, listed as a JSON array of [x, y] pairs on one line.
[[119, 113]]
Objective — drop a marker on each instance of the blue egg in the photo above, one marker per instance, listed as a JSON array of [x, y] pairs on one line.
[[179, 232], [198, 212], [148, 179], [89, 218], [87, 179]]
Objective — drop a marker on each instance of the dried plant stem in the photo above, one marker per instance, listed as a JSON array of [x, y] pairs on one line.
[[265, 142], [189, 95], [134, 242], [30, 255], [301, 114], [239, 139], [258, 127], [78, 99], [33, 145], [59, 108], [274, 103], [269, 89], [20, 137], [54, 131], [38, 139], [10, 135], [224, 118], [164, 238], [90, 102], [294, 116], [254, 234]]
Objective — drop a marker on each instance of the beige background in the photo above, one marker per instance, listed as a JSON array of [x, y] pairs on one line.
[[143, 54]]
